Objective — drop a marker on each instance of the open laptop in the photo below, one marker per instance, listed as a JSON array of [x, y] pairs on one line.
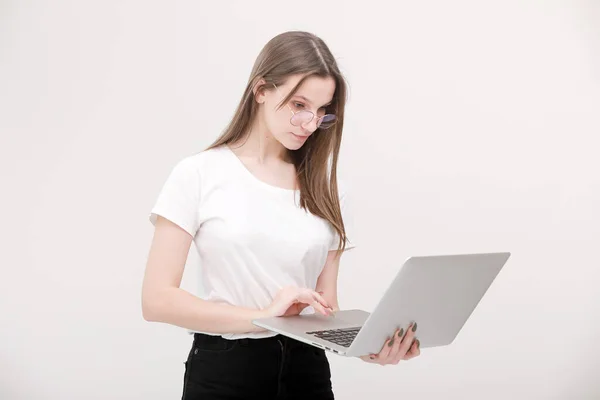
[[439, 293]]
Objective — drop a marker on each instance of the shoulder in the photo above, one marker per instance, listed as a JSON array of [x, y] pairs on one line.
[[201, 162]]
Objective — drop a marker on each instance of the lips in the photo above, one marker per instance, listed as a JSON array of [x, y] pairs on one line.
[[300, 136]]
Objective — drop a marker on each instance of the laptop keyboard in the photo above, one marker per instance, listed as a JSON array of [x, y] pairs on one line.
[[342, 337]]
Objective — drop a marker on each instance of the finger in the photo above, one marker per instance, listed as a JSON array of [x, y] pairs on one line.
[[318, 306], [308, 298], [371, 358], [384, 353], [415, 350], [300, 299], [408, 340], [395, 354], [319, 303], [321, 300]]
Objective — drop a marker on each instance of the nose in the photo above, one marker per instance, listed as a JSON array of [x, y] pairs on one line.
[[311, 126]]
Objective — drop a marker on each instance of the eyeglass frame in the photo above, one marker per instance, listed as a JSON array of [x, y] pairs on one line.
[[308, 111]]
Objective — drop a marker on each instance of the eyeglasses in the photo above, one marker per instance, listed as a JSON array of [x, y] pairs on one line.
[[302, 117]]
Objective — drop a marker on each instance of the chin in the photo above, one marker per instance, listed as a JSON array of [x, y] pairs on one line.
[[293, 146], [293, 142]]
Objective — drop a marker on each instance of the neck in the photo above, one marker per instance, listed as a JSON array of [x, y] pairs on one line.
[[260, 145]]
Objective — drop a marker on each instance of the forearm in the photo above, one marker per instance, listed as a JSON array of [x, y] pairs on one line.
[[178, 307], [327, 282]]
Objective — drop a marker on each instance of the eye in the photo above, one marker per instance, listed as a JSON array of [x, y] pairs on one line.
[[298, 105]]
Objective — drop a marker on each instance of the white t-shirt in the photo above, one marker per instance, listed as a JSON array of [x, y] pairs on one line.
[[252, 238]]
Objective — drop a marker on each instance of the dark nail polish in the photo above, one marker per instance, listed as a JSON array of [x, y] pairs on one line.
[[391, 343], [372, 357], [418, 344], [414, 328], [401, 332]]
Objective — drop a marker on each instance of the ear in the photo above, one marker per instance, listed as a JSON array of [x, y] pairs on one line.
[[259, 91]]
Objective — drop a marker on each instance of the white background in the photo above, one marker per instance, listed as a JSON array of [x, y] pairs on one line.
[[472, 126]]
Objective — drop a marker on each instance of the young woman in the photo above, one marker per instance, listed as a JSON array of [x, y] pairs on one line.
[[262, 207]]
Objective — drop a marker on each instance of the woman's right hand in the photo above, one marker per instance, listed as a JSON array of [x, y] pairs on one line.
[[291, 300]]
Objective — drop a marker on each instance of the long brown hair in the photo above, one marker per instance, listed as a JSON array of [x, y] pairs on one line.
[[303, 53]]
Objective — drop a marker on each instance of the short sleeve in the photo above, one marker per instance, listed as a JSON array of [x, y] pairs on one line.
[[348, 218], [179, 198]]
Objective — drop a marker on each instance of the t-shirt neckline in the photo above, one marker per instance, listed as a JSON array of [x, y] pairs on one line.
[[253, 177]]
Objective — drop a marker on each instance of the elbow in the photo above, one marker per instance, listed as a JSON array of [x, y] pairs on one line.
[[148, 312], [150, 308], [148, 315]]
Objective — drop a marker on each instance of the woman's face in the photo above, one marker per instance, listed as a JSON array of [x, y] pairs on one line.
[[314, 95]]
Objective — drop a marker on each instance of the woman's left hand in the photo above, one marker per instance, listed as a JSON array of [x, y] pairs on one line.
[[402, 346]]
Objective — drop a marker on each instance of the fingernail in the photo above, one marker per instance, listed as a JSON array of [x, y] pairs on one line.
[[414, 328], [372, 357], [401, 332], [418, 344], [391, 343]]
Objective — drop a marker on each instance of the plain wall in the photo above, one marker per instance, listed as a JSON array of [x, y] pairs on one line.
[[472, 126]]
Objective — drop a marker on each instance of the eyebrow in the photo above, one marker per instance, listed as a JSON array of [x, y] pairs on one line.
[[310, 102]]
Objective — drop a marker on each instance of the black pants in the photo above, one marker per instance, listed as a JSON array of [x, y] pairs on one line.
[[270, 368]]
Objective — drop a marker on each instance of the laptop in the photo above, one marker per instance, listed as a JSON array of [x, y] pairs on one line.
[[437, 292]]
